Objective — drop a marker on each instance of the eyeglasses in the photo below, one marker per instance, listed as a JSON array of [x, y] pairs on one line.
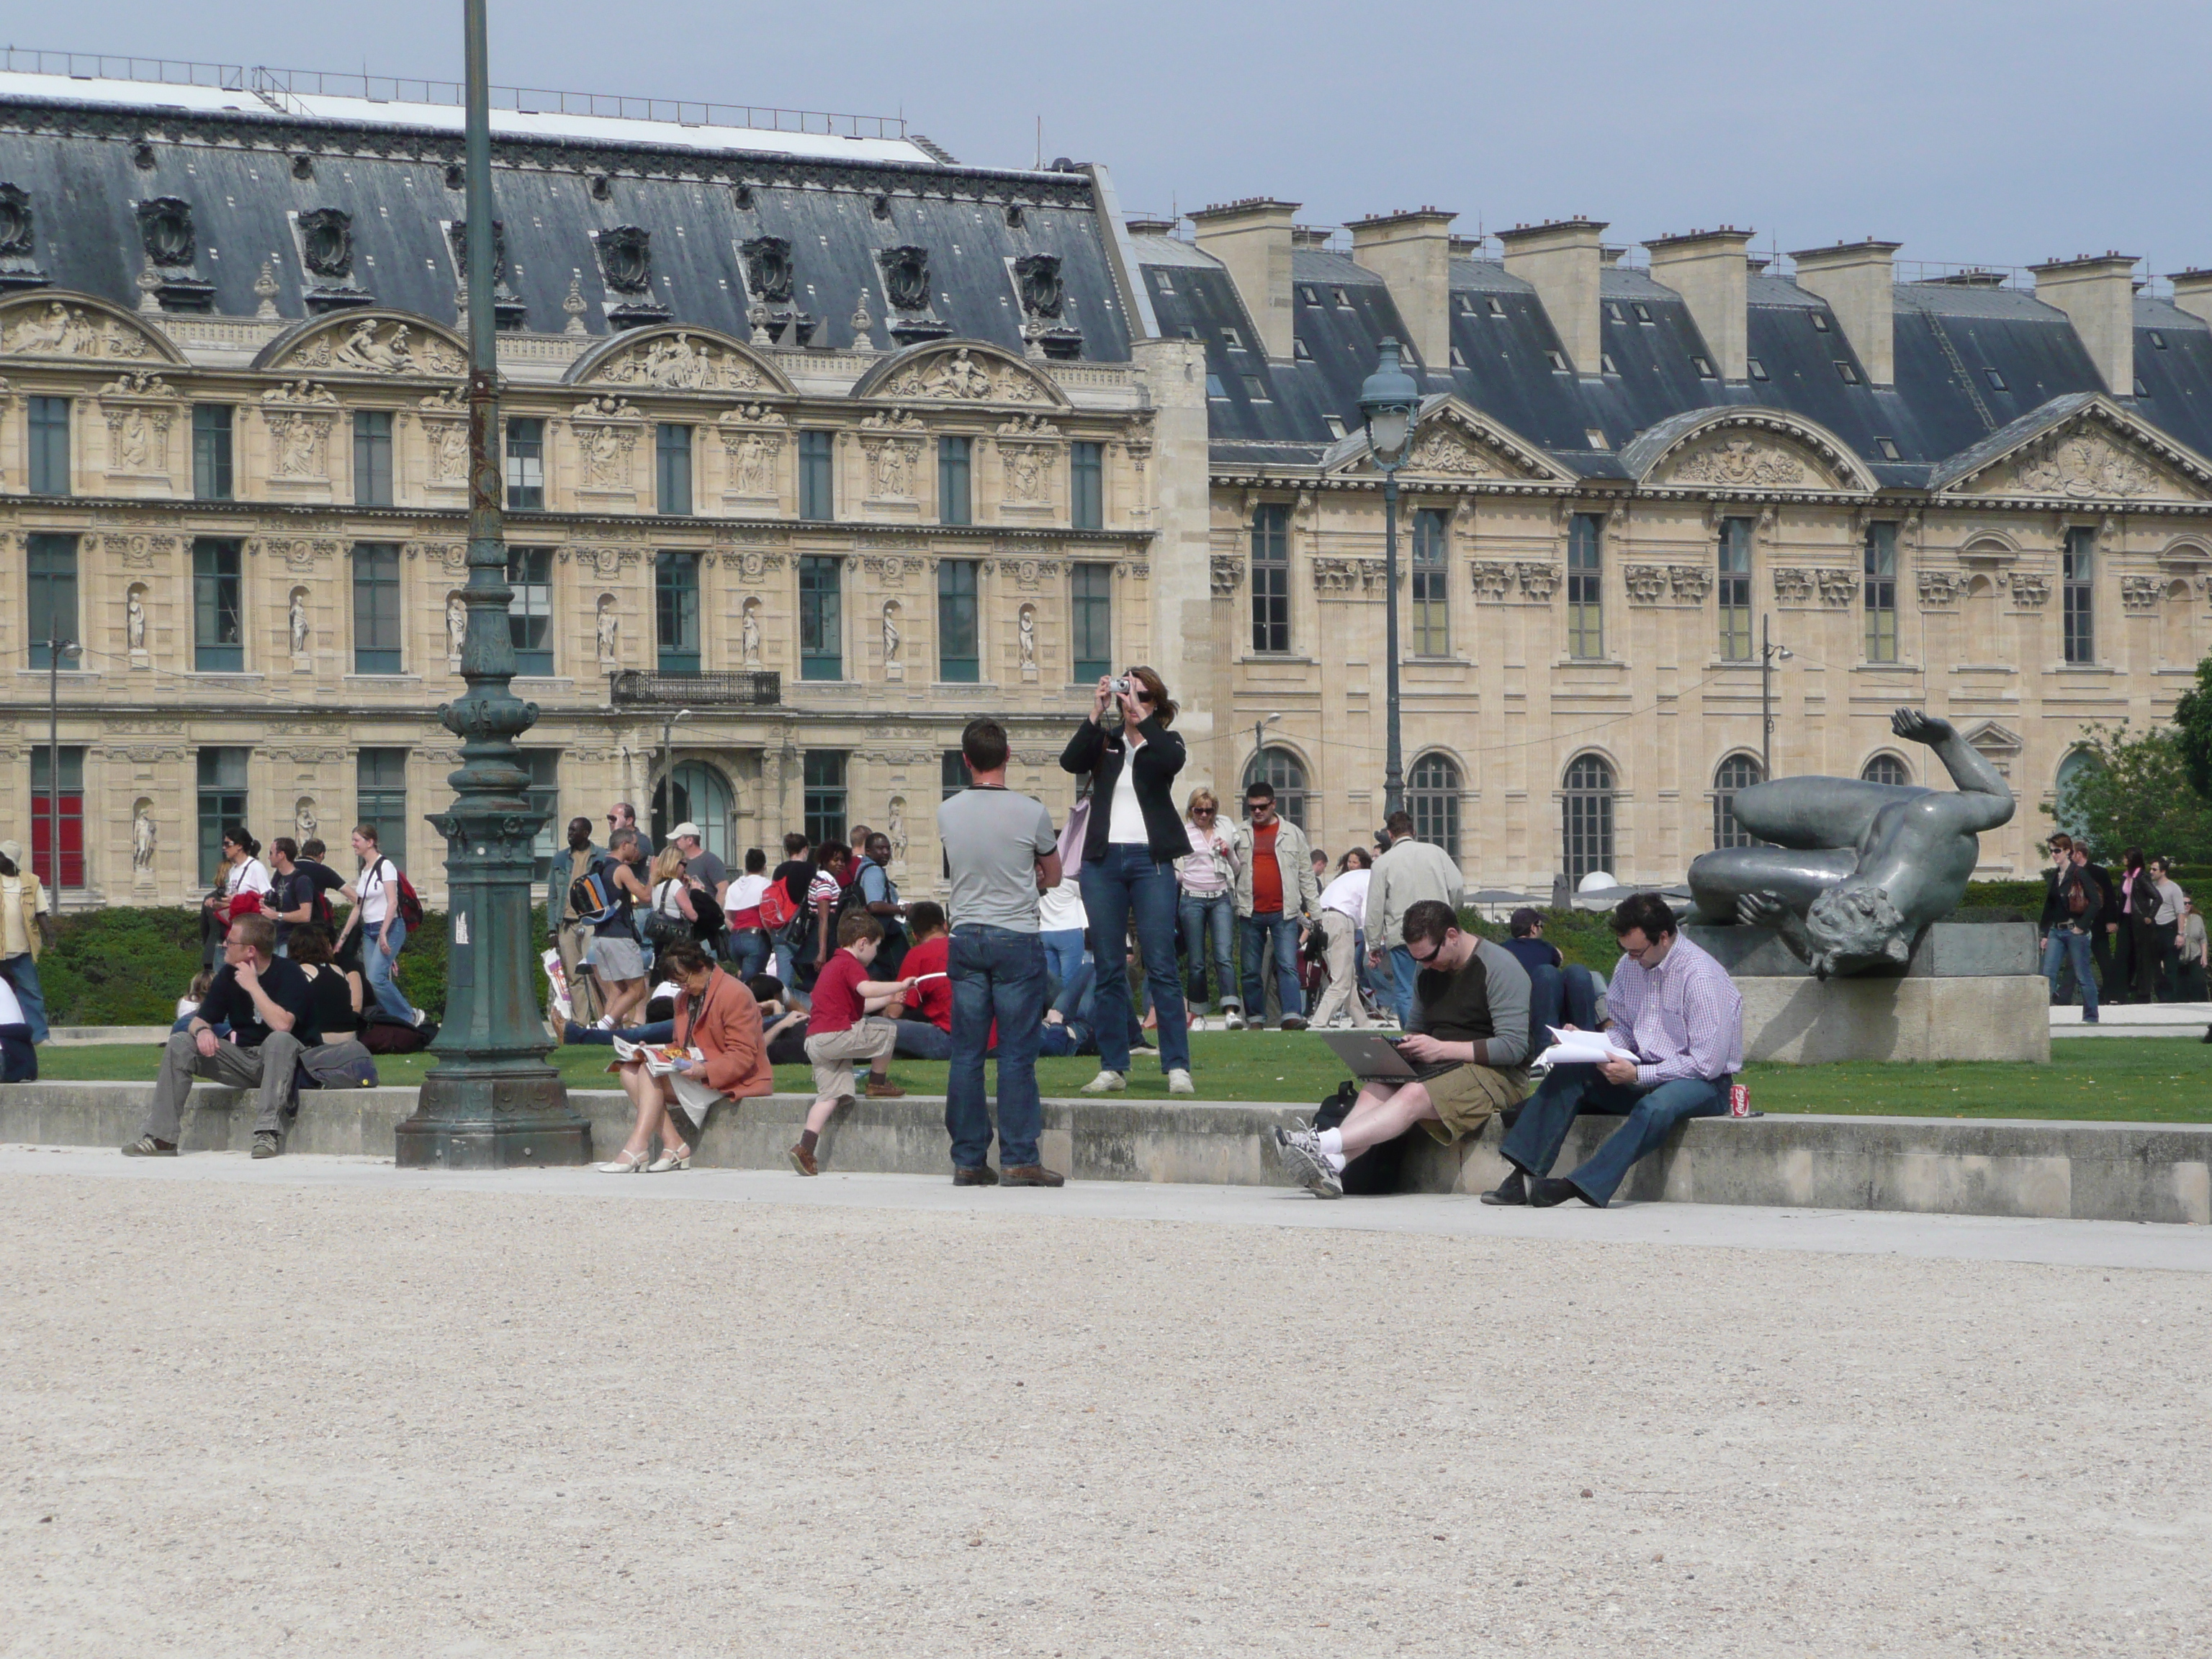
[[1423, 960]]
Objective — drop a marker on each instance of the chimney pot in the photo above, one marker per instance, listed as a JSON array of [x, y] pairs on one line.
[[2098, 296], [1411, 253], [1562, 262], [1709, 271]]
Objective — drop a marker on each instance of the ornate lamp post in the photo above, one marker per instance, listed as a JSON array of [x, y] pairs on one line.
[[1769, 654], [1388, 402], [491, 1102]]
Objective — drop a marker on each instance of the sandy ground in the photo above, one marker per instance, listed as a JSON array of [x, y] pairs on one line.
[[285, 1409]]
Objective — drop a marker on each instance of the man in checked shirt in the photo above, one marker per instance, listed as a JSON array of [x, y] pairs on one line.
[[1676, 1009]]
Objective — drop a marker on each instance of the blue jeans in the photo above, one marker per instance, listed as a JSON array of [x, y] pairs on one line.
[[2066, 943], [919, 1039], [749, 951], [1404, 971], [1063, 954], [996, 973], [1209, 920], [1259, 933], [1651, 1113], [1557, 995], [659, 1030], [1127, 880], [378, 965], [23, 973]]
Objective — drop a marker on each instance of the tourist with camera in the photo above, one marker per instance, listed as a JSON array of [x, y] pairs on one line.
[[1136, 835]]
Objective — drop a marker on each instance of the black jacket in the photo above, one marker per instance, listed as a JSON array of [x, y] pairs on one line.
[[2059, 887], [1095, 751]]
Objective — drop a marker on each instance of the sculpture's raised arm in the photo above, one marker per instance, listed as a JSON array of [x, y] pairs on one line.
[[1987, 798]]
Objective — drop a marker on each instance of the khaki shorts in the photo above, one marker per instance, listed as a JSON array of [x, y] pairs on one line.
[[1466, 1095], [834, 1052]]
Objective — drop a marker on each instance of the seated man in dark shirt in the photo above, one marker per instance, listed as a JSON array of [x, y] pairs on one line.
[[1558, 992], [270, 1009], [1470, 1014]]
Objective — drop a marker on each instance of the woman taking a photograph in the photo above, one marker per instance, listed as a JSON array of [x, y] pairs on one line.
[[717, 1015], [1129, 855]]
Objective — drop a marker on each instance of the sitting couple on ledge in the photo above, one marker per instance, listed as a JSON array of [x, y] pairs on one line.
[[1671, 1006]]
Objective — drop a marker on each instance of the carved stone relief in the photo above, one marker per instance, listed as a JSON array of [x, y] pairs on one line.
[[67, 331], [891, 569], [1740, 464], [1497, 579], [1030, 573], [958, 375], [378, 345], [446, 432], [1940, 589], [139, 409], [1333, 574], [1792, 585], [1689, 582], [327, 242], [626, 257], [1837, 587], [673, 362], [1444, 453], [1646, 583], [607, 429], [2141, 593], [906, 277], [299, 415], [2080, 466], [1037, 279], [2030, 589], [767, 268], [1227, 573]]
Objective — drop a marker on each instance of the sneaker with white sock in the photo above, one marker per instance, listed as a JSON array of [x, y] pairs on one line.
[[1233, 1019], [1106, 1082], [1179, 1082], [1298, 1151]]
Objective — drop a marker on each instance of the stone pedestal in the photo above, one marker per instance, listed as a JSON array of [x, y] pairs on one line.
[[1970, 992]]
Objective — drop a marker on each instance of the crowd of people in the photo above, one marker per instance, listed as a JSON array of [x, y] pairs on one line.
[[2136, 936]]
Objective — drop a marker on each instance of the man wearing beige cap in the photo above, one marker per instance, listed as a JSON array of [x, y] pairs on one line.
[[698, 861], [23, 922]]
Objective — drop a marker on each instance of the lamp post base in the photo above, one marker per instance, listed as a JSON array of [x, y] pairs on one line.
[[492, 1123]]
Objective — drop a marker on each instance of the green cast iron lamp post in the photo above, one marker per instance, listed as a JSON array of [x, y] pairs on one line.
[[1389, 404]]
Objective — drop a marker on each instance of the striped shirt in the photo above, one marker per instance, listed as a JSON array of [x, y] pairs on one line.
[[1684, 1019]]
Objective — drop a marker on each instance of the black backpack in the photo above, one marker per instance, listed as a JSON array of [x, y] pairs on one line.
[[1374, 1171]]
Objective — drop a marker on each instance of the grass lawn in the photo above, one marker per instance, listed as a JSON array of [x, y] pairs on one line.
[[2138, 1080]]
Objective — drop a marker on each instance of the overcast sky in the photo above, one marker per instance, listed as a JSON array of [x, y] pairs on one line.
[[1971, 131]]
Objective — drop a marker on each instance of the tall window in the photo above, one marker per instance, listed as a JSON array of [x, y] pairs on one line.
[[372, 457], [1090, 618], [824, 773], [1086, 486], [72, 816], [376, 608], [954, 458], [1432, 614], [676, 612], [211, 430], [1280, 767], [1586, 585], [1271, 577], [821, 620], [50, 566], [2074, 772], [671, 468], [1736, 772], [817, 496], [530, 611], [2081, 594], [544, 765], [1886, 768], [1735, 590], [218, 624], [1432, 797], [1588, 817], [1880, 594], [525, 465], [951, 774], [222, 804], [695, 794], [959, 655], [50, 446], [381, 800]]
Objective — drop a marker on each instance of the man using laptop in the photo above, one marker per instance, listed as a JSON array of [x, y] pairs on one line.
[[1470, 1018]]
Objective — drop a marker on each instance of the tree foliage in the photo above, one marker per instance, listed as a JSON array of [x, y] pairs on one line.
[[2137, 791], [2192, 729]]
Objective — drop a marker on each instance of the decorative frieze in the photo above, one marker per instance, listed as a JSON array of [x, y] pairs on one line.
[[2140, 593], [1837, 587], [1227, 572], [1940, 589], [1333, 574], [300, 416], [2030, 589], [1498, 579]]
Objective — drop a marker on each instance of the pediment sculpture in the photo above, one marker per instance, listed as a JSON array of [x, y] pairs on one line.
[[378, 345], [56, 329], [2082, 464], [960, 375], [676, 362], [1744, 464]]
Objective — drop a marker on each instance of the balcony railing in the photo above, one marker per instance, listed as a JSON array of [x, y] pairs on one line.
[[742, 688]]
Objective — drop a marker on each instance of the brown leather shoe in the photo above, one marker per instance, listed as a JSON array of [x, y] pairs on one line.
[[803, 1161], [884, 1089], [981, 1176], [1032, 1175]]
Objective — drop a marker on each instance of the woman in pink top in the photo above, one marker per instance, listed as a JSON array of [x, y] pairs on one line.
[[1206, 904]]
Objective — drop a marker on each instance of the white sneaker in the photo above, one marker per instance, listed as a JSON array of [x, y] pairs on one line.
[[1233, 1019], [1106, 1082], [605, 1022], [1197, 1022], [1179, 1082], [1298, 1152]]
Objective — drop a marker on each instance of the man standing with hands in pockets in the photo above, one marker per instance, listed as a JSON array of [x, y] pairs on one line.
[[1001, 852]]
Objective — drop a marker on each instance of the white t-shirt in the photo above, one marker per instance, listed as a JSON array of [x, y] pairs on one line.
[[664, 898], [250, 876], [745, 894], [1348, 893], [1061, 908], [11, 1011], [374, 885], [1127, 822]]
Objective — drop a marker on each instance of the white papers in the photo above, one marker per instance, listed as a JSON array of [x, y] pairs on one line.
[[1581, 1048], [660, 1057]]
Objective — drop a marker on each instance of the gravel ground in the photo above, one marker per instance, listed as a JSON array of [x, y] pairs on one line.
[[255, 1416]]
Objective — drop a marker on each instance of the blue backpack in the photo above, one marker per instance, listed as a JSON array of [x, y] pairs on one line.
[[595, 898]]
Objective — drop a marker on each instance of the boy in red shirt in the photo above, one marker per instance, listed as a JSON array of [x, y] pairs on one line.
[[843, 1027], [926, 1031]]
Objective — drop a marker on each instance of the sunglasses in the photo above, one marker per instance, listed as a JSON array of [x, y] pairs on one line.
[[1204, 812], [1421, 961]]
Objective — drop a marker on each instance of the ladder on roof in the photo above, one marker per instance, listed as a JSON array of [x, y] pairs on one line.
[[1959, 367]]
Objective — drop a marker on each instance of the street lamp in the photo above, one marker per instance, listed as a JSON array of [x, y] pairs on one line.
[[1768, 656], [55, 650], [491, 1102], [668, 770], [1388, 402]]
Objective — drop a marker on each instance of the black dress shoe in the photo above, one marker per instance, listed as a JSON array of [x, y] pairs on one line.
[[981, 1176], [1514, 1190], [1555, 1189]]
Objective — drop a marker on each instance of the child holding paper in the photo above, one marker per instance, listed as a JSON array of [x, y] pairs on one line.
[[844, 1026]]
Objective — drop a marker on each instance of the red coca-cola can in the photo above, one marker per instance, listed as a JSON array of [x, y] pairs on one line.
[[1738, 1100]]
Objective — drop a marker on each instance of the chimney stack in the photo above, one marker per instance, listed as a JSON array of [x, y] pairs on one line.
[[2098, 294], [2193, 292], [1411, 253], [1252, 238], [1561, 262], [1707, 269], [1856, 279]]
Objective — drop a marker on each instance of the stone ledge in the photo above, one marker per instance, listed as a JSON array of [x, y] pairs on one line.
[[2076, 1171], [1945, 950]]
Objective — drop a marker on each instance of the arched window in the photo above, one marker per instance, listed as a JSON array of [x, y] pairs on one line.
[[1736, 772], [703, 798], [2075, 770], [1432, 797], [1588, 817], [1280, 767], [1886, 768]]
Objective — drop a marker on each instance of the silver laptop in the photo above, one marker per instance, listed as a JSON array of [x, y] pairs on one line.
[[1369, 1054]]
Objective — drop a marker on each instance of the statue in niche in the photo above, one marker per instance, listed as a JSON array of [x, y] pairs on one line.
[[1025, 473], [890, 632], [134, 443], [896, 829], [609, 632], [749, 632], [1856, 871], [134, 619], [457, 626], [298, 622], [1026, 630], [303, 818], [144, 834], [300, 455], [449, 451], [752, 458]]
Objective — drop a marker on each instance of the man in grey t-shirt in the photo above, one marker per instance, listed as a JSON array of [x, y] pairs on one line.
[[1001, 850]]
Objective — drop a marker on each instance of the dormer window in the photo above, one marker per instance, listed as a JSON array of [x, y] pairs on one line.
[[1163, 282], [2158, 340], [1496, 308], [1643, 311], [1309, 295], [1214, 388], [1595, 436], [1463, 304], [1612, 310], [1755, 368], [1190, 330], [1850, 375], [1343, 299], [1256, 389], [1299, 352], [1704, 365], [1820, 321], [1889, 450], [1335, 425], [1458, 358], [1232, 340], [1605, 360], [1996, 380]]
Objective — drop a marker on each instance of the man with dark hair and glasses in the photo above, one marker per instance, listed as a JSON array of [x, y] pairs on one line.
[[1676, 1009], [1469, 1033]]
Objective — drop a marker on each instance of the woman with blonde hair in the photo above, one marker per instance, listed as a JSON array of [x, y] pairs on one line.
[[1206, 880]]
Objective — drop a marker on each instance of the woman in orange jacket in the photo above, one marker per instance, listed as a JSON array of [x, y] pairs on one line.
[[716, 1014]]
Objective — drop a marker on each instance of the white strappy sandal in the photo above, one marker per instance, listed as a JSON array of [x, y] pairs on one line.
[[628, 1164]]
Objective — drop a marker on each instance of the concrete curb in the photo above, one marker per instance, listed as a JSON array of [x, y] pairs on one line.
[[2002, 1167]]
